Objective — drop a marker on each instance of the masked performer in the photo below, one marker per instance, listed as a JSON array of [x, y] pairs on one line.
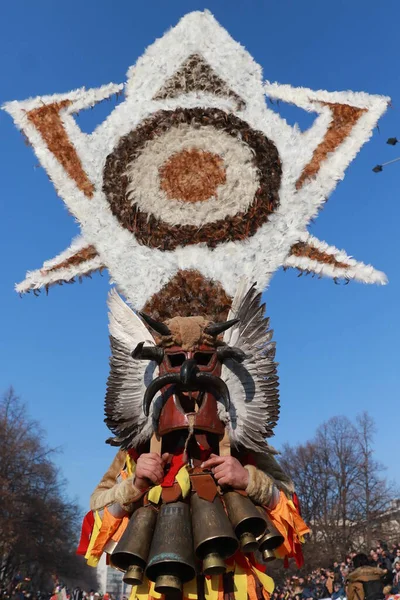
[[191, 402], [192, 193]]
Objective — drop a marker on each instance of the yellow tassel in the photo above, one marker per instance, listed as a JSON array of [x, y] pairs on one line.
[[266, 581], [133, 592], [142, 592], [190, 590], [152, 591], [130, 466], [92, 561], [240, 583], [155, 494], [211, 587], [183, 479]]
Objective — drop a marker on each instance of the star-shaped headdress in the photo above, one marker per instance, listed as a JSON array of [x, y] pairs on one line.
[[192, 176]]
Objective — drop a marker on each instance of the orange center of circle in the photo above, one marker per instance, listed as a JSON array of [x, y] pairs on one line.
[[192, 175]]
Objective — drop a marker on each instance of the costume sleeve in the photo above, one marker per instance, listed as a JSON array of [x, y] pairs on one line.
[[261, 487], [118, 497]]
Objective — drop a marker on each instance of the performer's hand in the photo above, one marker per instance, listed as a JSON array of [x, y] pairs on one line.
[[149, 469], [227, 471]]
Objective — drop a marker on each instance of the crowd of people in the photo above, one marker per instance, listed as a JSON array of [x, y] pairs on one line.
[[334, 582], [60, 592]]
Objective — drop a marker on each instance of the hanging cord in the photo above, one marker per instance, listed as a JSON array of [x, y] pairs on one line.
[[191, 419]]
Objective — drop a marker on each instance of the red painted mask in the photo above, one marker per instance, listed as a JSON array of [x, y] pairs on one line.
[[189, 380], [194, 399]]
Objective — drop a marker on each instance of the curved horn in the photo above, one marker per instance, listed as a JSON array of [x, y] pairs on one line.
[[161, 328], [155, 386], [209, 381], [142, 352], [225, 352], [188, 371], [217, 328]]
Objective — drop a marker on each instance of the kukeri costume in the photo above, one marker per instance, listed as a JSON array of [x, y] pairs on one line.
[[192, 193]]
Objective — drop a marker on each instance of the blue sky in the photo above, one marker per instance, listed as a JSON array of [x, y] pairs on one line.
[[338, 345]]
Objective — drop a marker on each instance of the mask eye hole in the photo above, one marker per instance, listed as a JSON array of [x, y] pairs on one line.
[[176, 360], [203, 358]]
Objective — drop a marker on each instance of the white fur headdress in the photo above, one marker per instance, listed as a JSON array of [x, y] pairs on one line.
[[192, 172]]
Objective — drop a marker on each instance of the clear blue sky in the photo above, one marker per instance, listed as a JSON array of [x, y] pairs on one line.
[[338, 346]]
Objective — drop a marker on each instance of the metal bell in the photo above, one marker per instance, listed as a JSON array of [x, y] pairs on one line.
[[272, 538], [247, 521], [214, 538], [132, 551], [268, 556], [171, 560]]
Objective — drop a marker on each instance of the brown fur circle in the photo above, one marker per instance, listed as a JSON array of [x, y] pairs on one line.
[[192, 175], [189, 294], [157, 234]]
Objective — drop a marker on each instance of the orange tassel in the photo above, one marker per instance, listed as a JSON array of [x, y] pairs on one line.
[[108, 527]]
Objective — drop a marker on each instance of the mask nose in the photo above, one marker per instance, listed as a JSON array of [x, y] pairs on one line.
[[188, 371]]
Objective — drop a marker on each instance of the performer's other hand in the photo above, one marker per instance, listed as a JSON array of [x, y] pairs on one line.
[[149, 469], [227, 470]]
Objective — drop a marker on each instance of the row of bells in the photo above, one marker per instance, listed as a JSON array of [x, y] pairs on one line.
[[164, 544]]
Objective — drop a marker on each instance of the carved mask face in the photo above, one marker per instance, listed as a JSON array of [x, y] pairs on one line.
[[190, 358], [196, 392]]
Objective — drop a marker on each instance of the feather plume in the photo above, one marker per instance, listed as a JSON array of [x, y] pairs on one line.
[[128, 378], [253, 384]]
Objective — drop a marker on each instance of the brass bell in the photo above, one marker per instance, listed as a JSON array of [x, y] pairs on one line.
[[132, 550], [214, 538], [271, 539], [171, 560], [247, 521], [268, 556]]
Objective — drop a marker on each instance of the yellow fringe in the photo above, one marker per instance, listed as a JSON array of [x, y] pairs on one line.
[[266, 581], [155, 494], [152, 591], [182, 477], [190, 590], [240, 583], [92, 561], [211, 587]]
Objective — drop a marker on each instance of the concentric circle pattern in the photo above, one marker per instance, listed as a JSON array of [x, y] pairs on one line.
[[192, 176]]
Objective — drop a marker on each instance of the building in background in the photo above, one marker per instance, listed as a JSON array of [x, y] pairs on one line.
[[110, 581]]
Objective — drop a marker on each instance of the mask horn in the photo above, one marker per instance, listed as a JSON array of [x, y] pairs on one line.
[[142, 352], [224, 352], [217, 328], [160, 328]]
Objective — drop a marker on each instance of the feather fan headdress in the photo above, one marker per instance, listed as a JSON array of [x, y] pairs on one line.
[[189, 188]]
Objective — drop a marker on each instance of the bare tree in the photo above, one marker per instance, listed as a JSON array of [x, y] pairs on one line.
[[373, 493], [38, 524], [339, 485]]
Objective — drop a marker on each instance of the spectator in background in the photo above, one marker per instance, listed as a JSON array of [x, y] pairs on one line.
[[338, 591], [309, 590], [374, 558], [384, 561], [396, 579], [336, 566], [367, 582], [396, 556], [330, 576]]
